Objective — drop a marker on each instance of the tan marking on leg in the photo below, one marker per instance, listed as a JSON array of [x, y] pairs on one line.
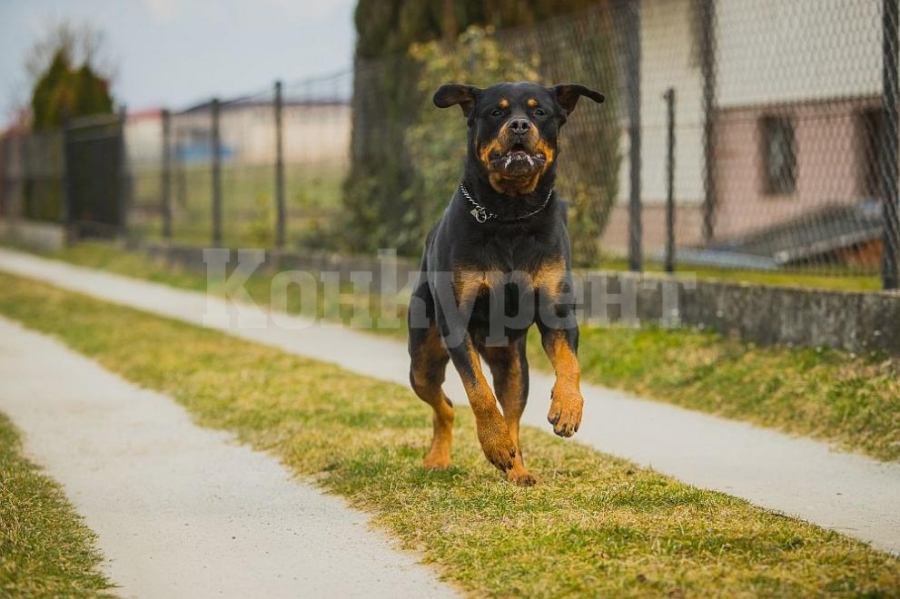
[[428, 369], [549, 277], [566, 402], [469, 283], [507, 371], [493, 433]]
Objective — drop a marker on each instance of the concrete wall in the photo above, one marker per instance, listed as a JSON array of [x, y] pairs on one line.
[[856, 322], [32, 235]]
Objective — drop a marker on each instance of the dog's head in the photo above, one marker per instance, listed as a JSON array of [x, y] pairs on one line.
[[513, 128]]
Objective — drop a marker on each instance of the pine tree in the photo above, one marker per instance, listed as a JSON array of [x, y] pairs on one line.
[[64, 92]]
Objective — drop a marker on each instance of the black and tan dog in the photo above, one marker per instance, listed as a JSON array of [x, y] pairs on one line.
[[496, 263]]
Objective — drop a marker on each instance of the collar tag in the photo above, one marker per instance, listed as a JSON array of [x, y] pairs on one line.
[[480, 214]]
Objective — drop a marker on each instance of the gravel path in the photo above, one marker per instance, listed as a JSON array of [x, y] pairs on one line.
[[855, 495]]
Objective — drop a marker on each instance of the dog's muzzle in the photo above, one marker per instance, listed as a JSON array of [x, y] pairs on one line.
[[517, 162], [516, 153]]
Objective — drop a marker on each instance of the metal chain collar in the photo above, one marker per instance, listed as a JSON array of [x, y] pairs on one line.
[[482, 215]]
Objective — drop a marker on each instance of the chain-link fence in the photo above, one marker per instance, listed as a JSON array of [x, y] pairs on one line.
[[782, 133], [275, 180], [737, 134], [797, 136], [767, 124]]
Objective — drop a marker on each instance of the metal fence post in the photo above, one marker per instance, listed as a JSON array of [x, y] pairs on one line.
[[633, 85], [889, 167], [708, 74], [18, 211], [124, 180], [166, 176], [279, 170], [5, 160], [216, 177], [66, 213], [670, 180]]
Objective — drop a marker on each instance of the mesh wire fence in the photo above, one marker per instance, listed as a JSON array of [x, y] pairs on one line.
[[173, 166], [798, 136], [32, 176], [780, 136], [781, 165], [408, 156], [784, 140]]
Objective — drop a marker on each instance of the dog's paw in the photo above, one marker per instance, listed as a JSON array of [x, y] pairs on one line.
[[436, 461], [496, 444], [565, 412], [521, 477]]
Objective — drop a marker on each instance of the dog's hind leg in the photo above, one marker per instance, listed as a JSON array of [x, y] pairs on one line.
[[427, 370], [509, 368]]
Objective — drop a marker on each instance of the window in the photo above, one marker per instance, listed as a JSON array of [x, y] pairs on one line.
[[872, 126], [779, 155]]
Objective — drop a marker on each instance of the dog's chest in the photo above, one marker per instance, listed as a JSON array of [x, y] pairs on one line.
[[521, 253], [495, 298]]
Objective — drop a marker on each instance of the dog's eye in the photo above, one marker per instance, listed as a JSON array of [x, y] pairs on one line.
[[496, 112], [539, 112]]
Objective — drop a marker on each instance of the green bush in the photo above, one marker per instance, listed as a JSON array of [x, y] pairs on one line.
[[407, 156], [64, 92]]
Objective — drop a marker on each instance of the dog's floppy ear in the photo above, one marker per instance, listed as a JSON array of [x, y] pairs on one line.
[[567, 95], [452, 94]]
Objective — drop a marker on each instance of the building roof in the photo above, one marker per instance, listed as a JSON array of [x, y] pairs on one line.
[[812, 236], [241, 103]]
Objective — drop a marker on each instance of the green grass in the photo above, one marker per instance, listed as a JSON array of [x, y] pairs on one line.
[[841, 280], [312, 196], [45, 549], [596, 526], [851, 401]]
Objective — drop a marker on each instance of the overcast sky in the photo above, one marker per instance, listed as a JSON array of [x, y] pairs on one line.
[[174, 53]]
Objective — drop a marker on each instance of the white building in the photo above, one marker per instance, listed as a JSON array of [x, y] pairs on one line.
[[796, 85]]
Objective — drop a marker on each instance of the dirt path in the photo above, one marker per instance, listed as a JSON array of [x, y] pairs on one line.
[[182, 511], [855, 495]]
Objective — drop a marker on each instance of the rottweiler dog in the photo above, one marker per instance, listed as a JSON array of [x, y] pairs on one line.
[[496, 263]]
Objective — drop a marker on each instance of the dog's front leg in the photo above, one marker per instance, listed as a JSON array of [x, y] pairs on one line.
[[559, 336], [454, 304], [493, 433]]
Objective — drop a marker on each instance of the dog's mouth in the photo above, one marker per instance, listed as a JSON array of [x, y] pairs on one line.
[[517, 161], [514, 164]]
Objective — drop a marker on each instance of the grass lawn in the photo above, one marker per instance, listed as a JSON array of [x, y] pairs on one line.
[[45, 549], [851, 401], [841, 280], [596, 526], [312, 196]]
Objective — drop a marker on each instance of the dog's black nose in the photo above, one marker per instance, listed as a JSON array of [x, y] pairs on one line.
[[519, 126]]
